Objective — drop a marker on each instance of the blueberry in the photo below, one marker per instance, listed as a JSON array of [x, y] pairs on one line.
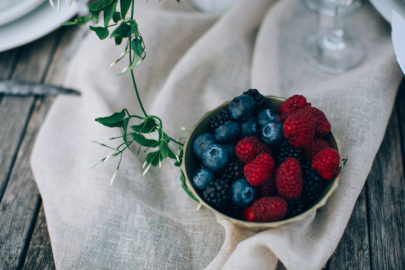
[[241, 107], [202, 142], [231, 150], [266, 116], [243, 193], [227, 132], [215, 157], [272, 132], [249, 127], [202, 177]]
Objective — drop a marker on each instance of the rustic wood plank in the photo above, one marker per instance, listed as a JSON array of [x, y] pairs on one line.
[[353, 249], [8, 61], [39, 255], [385, 193], [20, 204]]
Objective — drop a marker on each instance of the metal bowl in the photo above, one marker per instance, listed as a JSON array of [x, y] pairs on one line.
[[191, 164]]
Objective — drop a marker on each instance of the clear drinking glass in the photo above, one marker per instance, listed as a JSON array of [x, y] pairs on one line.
[[333, 50], [327, 7]]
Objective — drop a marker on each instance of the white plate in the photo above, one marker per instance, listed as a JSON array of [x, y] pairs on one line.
[[34, 25], [12, 9], [385, 7]]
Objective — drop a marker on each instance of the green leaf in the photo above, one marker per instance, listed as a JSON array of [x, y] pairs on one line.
[[81, 20], [134, 28], [124, 5], [139, 138], [138, 48], [118, 40], [123, 30], [100, 4], [116, 16], [178, 163], [101, 32], [185, 188], [148, 126], [114, 120], [152, 158], [164, 149], [108, 13], [94, 15]]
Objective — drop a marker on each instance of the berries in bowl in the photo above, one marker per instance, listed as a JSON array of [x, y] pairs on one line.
[[262, 162]]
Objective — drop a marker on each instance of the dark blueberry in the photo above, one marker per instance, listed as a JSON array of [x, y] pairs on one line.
[[202, 142], [231, 150], [243, 193], [272, 132], [241, 107], [266, 116], [215, 157], [227, 132], [249, 127], [202, 178]]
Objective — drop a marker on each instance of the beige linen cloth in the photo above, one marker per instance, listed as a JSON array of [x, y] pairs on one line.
[[195, 62]]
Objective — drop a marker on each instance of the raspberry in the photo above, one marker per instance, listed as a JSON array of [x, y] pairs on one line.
[[326, 162], [220, 118], [299, 128], [289, 179], [248, 148], [314, 147], [321, 122], [248, 214], [258, 98], [292, 104], [269, 209], [268, 188], [259, 170]]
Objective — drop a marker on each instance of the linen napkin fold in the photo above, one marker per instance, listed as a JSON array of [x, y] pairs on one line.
[[196, 61]]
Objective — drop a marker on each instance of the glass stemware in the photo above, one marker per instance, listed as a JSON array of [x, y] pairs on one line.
[[327, 7], [332, 50]]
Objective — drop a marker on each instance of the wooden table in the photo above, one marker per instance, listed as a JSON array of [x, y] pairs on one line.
[[374, 238]]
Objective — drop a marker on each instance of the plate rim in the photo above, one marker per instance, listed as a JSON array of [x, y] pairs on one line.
[[385, 8]]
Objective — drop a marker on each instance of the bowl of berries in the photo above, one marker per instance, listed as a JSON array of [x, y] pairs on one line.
[[262, 161]]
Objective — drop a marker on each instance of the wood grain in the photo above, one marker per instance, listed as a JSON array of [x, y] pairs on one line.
[[21, 118], [385, 191], [353, 249], [39, 255]]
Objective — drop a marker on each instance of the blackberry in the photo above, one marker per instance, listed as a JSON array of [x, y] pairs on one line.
[[234, 211], [296, 207], [287, 151], [218, 194], [314, 184], [220, 118], [260, 102], [233, 170]]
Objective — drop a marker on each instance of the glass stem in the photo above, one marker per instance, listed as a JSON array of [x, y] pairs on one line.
[[334, 40]]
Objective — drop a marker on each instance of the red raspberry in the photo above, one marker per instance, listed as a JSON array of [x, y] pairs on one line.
[[248, 214], [321, 122], [268, 188], [292, 104], [259, 170], [299, 128], [326, 162], [316, 145], [289, 179], [248, 148], [269, 209]]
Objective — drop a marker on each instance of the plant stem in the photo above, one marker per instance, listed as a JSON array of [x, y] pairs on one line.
[[130, 64]]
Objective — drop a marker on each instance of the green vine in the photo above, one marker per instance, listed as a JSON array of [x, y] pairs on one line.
[[145, 132]]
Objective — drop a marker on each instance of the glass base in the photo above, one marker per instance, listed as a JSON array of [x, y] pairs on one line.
[[328, 7], [332, 56]]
